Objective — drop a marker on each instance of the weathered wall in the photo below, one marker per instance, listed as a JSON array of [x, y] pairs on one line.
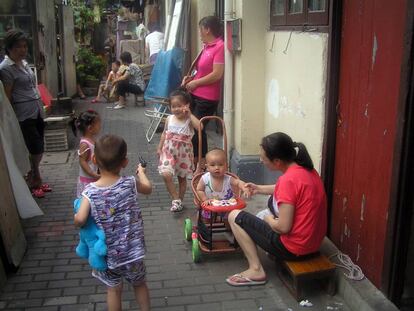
[[46, 34], [199, 9], [278, 86], [249, 77], [295, 87]]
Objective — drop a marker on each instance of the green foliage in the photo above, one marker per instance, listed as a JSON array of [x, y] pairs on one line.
[[102, 3], [84, 19], [89, 66]]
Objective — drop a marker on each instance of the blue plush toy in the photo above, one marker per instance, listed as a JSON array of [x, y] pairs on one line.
[[91, 242]]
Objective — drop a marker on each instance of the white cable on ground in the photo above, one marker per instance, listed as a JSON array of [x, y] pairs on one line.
[[354, 271]]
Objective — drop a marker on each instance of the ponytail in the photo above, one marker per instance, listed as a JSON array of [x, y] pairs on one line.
[[81, 122], [280, 146], [302, 156]]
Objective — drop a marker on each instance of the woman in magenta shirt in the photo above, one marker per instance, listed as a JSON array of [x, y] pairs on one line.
[[298, 224], [205, 85]]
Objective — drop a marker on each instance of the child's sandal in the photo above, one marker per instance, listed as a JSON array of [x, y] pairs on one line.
[[38, 193], [177, 206]]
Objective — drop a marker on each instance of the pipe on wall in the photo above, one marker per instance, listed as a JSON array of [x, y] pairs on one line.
[[228, 107]]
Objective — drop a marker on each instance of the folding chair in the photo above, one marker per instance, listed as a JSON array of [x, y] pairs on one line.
[[156, 115]]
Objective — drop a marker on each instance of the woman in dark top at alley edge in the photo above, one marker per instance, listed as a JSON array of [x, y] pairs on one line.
[[20, 87], [297, 225]]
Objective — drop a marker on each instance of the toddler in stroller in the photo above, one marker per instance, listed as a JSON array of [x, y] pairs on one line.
[[216, 193]]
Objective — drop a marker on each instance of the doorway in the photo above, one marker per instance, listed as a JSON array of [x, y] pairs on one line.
[[401, 238]]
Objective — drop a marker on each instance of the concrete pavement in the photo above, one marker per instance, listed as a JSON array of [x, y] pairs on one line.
[[53, 278]]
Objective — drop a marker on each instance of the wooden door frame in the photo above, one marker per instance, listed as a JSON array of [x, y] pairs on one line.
[[332, 87], [401, 195]]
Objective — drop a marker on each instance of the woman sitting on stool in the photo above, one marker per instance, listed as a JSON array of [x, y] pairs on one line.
[[132, 81], [298, 230]]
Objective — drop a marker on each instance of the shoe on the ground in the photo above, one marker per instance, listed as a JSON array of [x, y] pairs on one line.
[[38, 193], [46, 188], [118, 106], [176, 206]]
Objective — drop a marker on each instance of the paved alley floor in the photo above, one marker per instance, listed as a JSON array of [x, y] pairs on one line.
[[52, 278]]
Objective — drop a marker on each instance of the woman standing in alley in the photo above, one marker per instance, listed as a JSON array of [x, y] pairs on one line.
[[205, 84], [20, 87]]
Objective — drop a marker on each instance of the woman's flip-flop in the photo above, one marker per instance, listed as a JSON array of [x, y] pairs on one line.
[[38, 193], [46, 188], [240, 280]]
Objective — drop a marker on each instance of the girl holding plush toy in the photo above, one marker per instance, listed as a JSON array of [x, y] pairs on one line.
[[113, 203]]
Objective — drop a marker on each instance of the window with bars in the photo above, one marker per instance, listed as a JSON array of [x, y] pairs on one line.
[[299, 13]]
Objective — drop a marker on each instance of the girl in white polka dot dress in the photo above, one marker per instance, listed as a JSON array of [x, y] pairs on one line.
[[175, 149]]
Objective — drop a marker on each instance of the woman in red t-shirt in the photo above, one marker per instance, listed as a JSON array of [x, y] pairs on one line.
[[297, 225], [205, 84]]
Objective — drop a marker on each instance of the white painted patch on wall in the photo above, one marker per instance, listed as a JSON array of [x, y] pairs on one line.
[[284, 106], [358, 252], [273, 98], [363, 201], [374, 51], [366, 111], [300, 111]]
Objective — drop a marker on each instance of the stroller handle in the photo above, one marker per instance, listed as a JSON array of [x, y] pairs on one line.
[[223, 126]]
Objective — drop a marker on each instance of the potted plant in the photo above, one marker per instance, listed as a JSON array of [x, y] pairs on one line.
[[90, 68]]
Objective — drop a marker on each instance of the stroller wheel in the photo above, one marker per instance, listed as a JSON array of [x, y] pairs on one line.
[[188, 227], [196, 251]]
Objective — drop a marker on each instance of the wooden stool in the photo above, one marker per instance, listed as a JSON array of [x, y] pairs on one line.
[[295, 273]]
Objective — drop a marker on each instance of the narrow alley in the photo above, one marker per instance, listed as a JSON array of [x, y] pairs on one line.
[[53, 278]]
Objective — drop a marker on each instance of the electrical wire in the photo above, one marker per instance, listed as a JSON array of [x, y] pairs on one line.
[[354, 271]]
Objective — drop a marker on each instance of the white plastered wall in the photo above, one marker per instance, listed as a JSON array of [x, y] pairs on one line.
[[295, 87], [249, 77], [279, 83]]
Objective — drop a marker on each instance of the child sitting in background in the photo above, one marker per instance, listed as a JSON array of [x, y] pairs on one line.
[[113, 203], [121, 71], [106, 88], [88, 123], [215, 184]]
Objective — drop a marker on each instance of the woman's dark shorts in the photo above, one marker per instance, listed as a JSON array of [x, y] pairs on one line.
[[124, 87], [33, 133], [263, 235]]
